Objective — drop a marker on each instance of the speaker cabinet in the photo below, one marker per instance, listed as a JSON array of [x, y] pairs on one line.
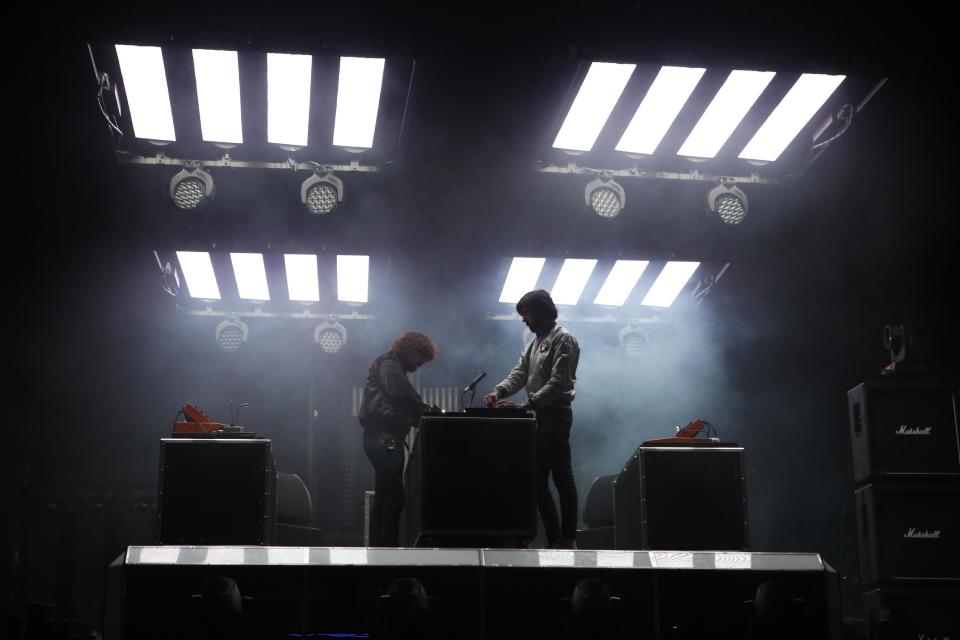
[[217, 491], [678, 497]]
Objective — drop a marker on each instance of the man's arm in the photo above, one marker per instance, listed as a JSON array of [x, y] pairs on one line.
[[516, 379], [397, 386], [567, 352]]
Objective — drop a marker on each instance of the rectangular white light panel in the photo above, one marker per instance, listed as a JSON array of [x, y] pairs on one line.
[[615, 559], [732, 560], [223, 556], [572, 279], [286, 556], [668, 285], [621, 281], [557, 558], [352, 278], [218, 93], [251, 276], [358, 99], [348, 555], [159, 555], [522, 277], [672, 559], [801, 103], [669, 92], [145, 84], [198, 274], [598, 95], [288, 98], [739, 92], [302, 281]]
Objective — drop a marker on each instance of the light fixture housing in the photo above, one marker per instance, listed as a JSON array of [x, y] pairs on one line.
[[321, 193], [192, 188], [727, 202], [331, 336], [231, 334], [605, 197], [633, 340]]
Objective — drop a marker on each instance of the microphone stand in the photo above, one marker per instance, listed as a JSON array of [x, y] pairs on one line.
[[473, 395], [472, 388]]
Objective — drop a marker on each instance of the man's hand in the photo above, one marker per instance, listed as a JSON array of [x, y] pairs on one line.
[[490, 400]]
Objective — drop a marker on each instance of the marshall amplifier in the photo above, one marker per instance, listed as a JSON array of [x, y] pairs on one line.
[[909, 534], [901, 429], [682, 497], [909, 614]]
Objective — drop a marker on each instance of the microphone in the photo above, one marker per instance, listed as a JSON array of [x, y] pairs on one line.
[[473, 385]]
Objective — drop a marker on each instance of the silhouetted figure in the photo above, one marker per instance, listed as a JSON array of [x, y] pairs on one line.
[[548, 370], [390, 406]]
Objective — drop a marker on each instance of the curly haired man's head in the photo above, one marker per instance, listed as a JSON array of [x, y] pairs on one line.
[[414, 350]]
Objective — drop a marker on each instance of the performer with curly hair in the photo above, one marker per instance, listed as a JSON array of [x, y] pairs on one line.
[[390, 406]]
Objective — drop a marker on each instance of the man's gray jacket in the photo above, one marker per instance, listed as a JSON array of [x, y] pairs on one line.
[[548, 369]]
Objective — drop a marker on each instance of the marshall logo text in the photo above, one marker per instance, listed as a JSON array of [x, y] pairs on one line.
[[922, 535], [904, 430]]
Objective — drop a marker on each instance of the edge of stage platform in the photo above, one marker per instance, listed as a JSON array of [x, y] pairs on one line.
[[363, 556]]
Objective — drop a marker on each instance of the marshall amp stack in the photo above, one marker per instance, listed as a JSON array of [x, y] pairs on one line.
[[906, 466]]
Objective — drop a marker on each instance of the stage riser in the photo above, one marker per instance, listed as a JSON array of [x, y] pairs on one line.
[[507, 594]]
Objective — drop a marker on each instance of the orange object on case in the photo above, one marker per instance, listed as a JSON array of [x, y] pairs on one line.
[[193, 414], [688, 434], [692, 429], [197, 422]]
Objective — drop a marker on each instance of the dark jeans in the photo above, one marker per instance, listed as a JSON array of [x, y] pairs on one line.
[[386, 454], [553, 457]]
